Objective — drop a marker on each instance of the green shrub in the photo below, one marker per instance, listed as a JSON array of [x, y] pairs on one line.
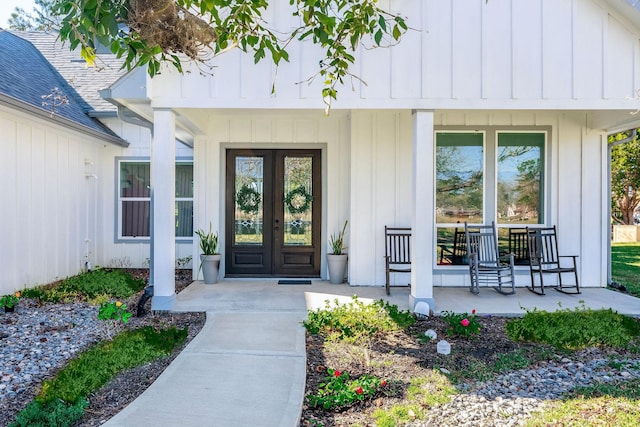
[[116, 283], [356, 321], [96, 366], [574, 329], [339, 391], [462, 324], [55, 413], [96, 285]]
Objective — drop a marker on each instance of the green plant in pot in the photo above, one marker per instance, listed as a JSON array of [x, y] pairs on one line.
[[337, 259], [9, 301], [210, 257]]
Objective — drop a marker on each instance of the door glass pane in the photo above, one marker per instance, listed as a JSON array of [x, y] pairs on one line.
[[459, 178], [520, 178], [298, 200], [249, 194]]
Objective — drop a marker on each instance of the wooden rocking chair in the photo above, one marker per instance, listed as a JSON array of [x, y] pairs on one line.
[[397, 248], [485, 262], [544, 259]]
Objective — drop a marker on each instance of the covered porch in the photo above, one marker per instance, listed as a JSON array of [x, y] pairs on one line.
[[268, 295]]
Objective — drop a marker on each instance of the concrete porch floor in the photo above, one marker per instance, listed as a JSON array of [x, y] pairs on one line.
[[267, 295]]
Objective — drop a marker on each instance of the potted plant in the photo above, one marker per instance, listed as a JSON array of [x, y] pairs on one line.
[[210, 257], [9, 302], [337, 259]]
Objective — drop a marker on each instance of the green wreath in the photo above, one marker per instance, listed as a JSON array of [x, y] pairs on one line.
[[248, 200], [298, 200]]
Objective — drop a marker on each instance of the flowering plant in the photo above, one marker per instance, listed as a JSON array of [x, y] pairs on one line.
[[10, 300], [462, 324], [339, 391], [113, 313]]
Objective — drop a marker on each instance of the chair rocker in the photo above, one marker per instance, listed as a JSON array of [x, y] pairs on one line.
[[544, 259], [397, 248], [485, 262]]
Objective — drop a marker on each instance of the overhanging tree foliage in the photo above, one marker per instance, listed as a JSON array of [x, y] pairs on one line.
[[152, 32], [625, 178]]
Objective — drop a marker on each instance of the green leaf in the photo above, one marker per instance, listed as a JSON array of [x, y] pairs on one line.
[[378, 37]]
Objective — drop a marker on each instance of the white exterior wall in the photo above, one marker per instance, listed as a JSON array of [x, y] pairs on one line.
[[273, 130], [459, 54], [126, 254], [50, 201], [576, 183]]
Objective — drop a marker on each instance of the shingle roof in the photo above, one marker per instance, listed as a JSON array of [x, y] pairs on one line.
[[26, 76], [87, 81]]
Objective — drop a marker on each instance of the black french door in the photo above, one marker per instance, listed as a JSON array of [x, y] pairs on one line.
[[273, 213]]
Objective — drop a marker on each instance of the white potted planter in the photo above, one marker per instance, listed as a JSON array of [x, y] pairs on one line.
[[210, 258], [337, 260]]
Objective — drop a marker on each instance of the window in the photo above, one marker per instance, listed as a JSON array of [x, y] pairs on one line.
[[485, 176], [134, 199]]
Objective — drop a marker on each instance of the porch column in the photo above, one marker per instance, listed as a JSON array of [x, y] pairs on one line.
[[423, 213], [163, 227]]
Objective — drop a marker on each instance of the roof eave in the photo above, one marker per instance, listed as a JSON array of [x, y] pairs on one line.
[[40, 113]]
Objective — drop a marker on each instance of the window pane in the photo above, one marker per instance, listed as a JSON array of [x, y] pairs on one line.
[[135, 219], [520, 178], [452, 246], [248, 198], [184, 180], [184, 218], [298, 203], [135, 179], [459, 177]]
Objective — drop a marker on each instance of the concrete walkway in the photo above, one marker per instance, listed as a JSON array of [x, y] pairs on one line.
[[247, 366]]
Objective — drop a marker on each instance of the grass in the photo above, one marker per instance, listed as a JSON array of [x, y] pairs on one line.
[[62, 399], [625, 266], [602, 404]]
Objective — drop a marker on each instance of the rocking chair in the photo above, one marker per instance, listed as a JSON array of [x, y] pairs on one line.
[[397, 247], [544, 259], [485, 262]]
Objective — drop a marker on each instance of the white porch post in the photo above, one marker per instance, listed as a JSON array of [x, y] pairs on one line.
[[163, 228], [423, 214]]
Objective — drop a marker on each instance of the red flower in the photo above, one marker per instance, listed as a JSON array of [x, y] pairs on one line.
[[464, 322], [336, 373], [473, 311], [383, 383], [359, 390]]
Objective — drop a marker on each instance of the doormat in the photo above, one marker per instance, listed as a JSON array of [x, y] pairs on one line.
[[294, 282]]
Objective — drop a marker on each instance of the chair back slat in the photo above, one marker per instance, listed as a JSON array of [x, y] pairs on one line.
[[518, 245], [482, 243], [398, 244], [543, 246]]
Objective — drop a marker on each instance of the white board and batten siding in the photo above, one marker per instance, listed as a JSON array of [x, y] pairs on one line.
[[502, 63], [458, 54], [381, 188], [50, 203], [114, 252], [273, 130]]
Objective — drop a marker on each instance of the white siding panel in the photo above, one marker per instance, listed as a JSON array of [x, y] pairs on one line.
[[588, 45], [381, 187], [467, 58], [497, 52], [619, 60], [375, 71], [51, 207], [527, 49], [594, 177], [9, 176], [406, 65], [437, 50], [557, 46]]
